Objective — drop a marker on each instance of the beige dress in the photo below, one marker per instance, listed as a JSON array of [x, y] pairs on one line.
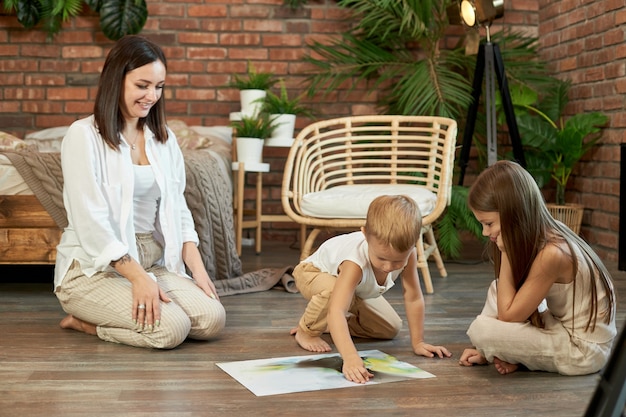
[[563, 346]]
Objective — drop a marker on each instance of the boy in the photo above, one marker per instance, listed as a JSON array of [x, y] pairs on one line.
[[345, 278]]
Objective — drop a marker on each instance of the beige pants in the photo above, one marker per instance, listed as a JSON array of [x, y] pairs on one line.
[[369, 318], [105, 299], [549, 349]]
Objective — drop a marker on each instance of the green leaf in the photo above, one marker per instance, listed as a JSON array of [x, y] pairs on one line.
[[28, 12], [122, 17]]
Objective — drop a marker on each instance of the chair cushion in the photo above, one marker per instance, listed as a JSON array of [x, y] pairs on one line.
[[352, 201]]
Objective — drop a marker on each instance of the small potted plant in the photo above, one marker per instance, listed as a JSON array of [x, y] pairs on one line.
[[252, 89], [283, 111], [250, 133], [553, 145]]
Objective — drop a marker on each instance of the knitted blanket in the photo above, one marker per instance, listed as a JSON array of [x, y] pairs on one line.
[[209, 197]]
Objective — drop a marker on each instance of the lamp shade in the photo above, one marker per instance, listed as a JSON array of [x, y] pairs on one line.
[[480, 12]]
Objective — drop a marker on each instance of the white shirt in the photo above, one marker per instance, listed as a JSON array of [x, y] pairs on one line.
[[351, 247], [98, 197]]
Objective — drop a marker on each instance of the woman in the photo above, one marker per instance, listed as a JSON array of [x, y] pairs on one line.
[[121, 264], [552, 305]]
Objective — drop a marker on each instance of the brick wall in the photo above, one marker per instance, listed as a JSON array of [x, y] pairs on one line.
[[51, 83], [586, 43]]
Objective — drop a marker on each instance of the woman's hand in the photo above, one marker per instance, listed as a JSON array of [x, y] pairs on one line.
[[193, 260], [204, 282], [146, 302]]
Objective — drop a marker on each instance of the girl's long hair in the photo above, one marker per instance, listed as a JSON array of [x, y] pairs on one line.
[[526, 227], [129, 53]]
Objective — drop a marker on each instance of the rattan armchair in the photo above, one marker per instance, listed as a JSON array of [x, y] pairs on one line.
[[336, 167]]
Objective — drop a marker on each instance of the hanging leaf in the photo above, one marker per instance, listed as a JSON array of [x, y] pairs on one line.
[[122, 17], [94, 5], [28, 12]]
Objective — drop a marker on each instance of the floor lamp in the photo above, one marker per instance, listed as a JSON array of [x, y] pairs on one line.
[[489, 66]]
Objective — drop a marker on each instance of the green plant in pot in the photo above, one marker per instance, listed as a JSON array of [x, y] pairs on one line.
[[253, 80], [283, 111], [555, 144], [250, 133], [281, 103], [252, 88]]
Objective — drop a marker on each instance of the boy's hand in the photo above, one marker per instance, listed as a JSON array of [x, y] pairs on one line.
[[424, 349], [354, 370]]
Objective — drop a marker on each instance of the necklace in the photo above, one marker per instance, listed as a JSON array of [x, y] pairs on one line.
[[133, 145]]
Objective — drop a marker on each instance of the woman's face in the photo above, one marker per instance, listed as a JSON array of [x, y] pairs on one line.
[[491, 226], [143, 87]]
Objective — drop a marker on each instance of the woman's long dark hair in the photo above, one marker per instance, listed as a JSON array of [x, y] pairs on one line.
[[128, 54], [526, 226]]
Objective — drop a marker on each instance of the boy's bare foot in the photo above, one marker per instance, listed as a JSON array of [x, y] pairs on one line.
[[310, 343], [71, 322], [504, 367]]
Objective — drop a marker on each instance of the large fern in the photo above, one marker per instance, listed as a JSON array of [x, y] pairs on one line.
[[395, 47]]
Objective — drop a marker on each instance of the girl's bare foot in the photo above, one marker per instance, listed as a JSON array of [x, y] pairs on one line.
[[310, 343], [504, 367], [71, 322]]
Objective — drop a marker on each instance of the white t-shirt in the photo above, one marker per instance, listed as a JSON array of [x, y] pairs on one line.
[[351, 247]]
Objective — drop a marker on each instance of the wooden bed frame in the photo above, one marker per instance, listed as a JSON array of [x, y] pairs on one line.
[[28, 235]]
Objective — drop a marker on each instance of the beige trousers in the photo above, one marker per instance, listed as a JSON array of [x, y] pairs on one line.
[[549, 349], [105, 299], [367, 318]]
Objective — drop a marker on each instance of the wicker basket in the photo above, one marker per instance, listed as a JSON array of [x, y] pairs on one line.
[[570, 214]]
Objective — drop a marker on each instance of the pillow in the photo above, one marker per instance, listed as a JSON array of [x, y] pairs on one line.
[[9, 142], [187, 137], [47, 140], [352, 201]]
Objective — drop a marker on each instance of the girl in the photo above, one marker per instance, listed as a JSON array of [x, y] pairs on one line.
[[552, 305]]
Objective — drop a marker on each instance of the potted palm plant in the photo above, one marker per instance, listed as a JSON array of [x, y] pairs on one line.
[[554, 145], [252, 89], [250, 133], [283, 111], [396, 49]]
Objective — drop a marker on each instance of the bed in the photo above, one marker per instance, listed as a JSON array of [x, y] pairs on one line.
[[32, 214]]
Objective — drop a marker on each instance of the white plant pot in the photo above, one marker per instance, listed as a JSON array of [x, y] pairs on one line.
[[251, 102], [285, 125], [249, 150]]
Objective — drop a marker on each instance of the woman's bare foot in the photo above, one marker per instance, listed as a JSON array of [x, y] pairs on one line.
[[71, 322], [310, 343], [504, 367]]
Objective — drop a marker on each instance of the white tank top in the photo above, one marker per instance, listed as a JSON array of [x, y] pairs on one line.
[[145, 199]]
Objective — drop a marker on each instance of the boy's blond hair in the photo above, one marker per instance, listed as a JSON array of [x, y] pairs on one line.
[[394, 220]]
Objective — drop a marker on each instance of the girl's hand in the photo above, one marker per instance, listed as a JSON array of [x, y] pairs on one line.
[[500, 243], [472, 357], [424, 349], [354, 370]]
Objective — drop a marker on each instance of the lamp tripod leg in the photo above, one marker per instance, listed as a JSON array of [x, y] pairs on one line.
[[470, 122], [507, 105], [489, 56]]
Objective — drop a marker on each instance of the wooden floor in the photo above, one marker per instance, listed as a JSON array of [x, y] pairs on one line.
[[47, 371]]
